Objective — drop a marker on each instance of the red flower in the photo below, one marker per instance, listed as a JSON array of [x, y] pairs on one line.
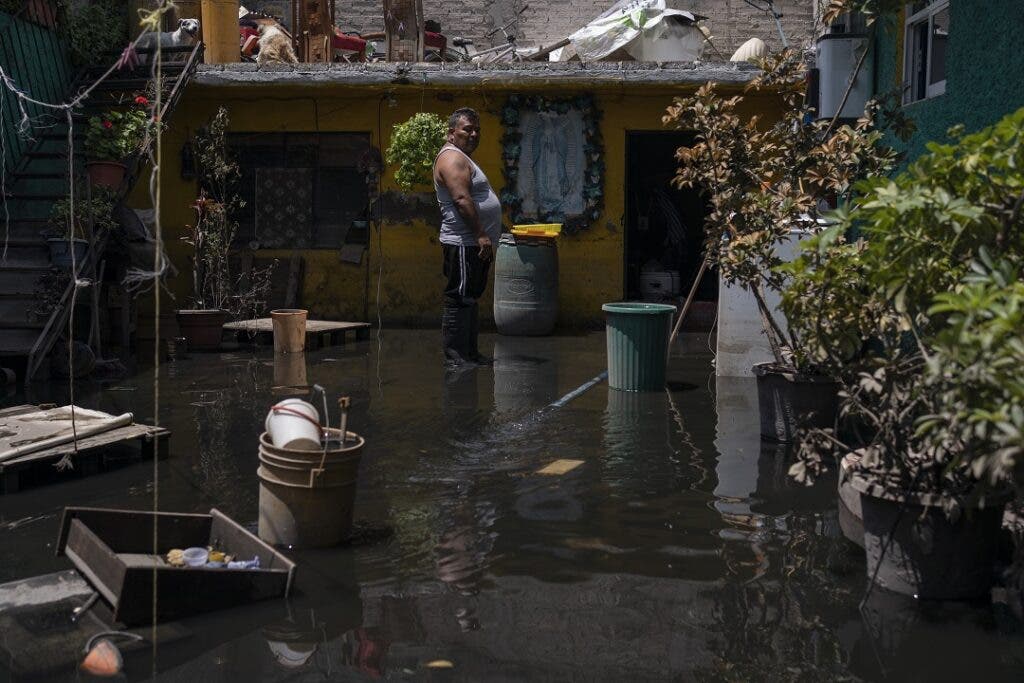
[[141, 100], [108, 125]]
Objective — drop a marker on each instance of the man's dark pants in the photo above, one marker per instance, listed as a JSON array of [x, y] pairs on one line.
[[466, 275]]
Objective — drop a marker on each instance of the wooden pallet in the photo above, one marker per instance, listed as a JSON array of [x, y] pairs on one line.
[[95, 453], [319, 333]]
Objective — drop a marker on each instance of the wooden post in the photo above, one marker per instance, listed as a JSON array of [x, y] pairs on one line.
[[315, 30], [403, 28]]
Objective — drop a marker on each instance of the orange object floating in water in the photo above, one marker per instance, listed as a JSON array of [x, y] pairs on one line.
[[103, 660]]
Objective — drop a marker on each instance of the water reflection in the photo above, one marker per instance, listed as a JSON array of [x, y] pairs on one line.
[[525, 378], [678, 550]]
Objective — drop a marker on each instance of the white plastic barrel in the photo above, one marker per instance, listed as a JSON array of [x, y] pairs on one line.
[[294, 423]]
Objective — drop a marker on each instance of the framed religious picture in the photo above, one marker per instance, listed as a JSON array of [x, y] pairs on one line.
[[553, 160]]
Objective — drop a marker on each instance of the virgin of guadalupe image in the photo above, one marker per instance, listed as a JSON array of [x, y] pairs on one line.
[[551, 164]]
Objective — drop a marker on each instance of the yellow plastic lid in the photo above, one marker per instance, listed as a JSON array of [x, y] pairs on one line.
[[538, 230]]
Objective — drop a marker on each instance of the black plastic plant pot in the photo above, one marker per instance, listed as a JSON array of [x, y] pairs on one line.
[[788, 400], [918, 550]]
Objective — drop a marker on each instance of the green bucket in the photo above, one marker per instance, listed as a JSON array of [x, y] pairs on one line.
[[637, 336]]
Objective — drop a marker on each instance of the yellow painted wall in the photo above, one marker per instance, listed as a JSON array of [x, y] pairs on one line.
[[406, 255]]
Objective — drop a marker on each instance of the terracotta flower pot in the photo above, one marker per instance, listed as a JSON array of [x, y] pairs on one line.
[[202, 329], [106, 173]]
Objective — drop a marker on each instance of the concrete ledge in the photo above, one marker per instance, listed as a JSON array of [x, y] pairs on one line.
[[517, 74]]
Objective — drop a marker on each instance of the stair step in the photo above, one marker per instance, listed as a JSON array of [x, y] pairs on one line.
[[15, 309], [21, 229], [12, 324], [39, 186], [38, 175], [46, 155], [21, 280], [35, 254], [17, 342], [34, 197]]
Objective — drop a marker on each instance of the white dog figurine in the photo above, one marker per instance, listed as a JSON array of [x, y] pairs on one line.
[[275, 46], [186, 35]]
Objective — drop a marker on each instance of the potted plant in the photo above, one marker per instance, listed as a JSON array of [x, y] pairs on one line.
[[765, 184], [68, 232], [921, 312], [216, 294], [414, 146], [113, 138]]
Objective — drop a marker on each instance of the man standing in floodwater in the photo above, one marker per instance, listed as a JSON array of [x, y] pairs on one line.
[[470, 228]]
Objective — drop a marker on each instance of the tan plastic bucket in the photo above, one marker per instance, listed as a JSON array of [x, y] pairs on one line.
[[289, 330], [307, 497], [220, 31]]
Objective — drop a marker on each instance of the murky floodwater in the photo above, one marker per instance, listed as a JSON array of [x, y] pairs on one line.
[[677, 550]]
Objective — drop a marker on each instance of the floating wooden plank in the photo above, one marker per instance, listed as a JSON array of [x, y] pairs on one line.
[[560, 467], [319, 333], [95, 453]]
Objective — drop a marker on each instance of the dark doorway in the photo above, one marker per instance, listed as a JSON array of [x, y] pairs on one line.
[[664, 225]]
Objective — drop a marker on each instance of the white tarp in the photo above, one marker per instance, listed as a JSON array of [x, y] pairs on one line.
[[38, 430], [647, 29]]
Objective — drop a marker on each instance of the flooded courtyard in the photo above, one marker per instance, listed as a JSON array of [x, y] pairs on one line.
[[678, 549]]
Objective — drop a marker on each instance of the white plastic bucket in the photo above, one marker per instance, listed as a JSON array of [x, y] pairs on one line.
[[294, 424]]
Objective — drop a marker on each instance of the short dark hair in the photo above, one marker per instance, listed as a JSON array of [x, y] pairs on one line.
[[463, 113]]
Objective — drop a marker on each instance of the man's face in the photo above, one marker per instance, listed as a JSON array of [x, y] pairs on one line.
[[465, 135]]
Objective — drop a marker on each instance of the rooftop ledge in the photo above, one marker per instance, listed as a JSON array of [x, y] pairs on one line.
[[517, 74]]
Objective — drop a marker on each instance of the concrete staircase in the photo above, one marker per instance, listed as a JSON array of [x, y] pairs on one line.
[[38, 182]]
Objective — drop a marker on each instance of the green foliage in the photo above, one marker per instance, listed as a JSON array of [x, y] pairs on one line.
[[763, 182], [96, 211], [975, 373], [117, 135], [211, 236], [95, 27], [414, 145], [214, 229], [883, 312]]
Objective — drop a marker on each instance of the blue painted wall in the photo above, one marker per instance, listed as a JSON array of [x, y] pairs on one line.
[[984, 76]]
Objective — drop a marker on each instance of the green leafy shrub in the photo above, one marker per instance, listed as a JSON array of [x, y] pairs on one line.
[[414, 145], [882, 311], [94, 28], [765, 181], [97, 210]]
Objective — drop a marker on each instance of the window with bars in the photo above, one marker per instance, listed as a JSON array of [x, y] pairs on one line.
[[925, 43], [301, 190]]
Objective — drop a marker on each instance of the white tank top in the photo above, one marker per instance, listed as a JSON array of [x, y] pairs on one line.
[[453, 227]]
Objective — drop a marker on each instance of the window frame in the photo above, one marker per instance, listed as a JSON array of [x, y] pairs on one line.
[[286, 141], [913, 20]]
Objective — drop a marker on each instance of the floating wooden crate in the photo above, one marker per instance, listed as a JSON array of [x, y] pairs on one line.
[[319, 333], [113, 549], [95, 453]]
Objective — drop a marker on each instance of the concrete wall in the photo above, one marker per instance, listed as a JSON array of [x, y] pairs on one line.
[[406, 255], [732, 22], [985, 70]]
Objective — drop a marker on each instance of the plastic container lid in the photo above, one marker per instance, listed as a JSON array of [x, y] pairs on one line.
[[196, 557], [538, 230], [631, 308]]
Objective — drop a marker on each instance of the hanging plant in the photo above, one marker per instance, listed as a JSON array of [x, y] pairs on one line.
[[414, 145], [593, 153]]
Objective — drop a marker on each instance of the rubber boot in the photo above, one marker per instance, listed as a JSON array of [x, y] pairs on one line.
[[474, 333], [455, 333]]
